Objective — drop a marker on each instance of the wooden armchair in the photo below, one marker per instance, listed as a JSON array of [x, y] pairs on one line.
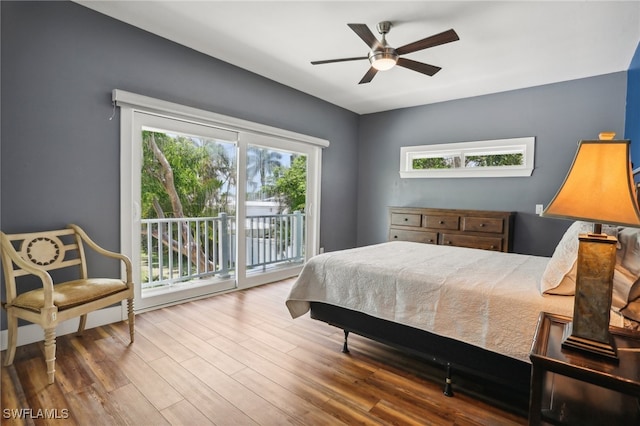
[[36, 254]]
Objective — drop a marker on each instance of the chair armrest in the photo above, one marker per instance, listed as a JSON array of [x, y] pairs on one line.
[[105, 252], [9, 255]]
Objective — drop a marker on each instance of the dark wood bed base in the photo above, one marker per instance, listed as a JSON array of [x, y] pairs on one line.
[[496, 378]]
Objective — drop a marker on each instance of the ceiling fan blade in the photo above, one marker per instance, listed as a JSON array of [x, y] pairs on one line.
[[329, 61], [368, 76], [366, 35], [434, 40], [418, 66]]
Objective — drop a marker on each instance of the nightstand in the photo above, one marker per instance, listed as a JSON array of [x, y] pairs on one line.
[[572, 388]]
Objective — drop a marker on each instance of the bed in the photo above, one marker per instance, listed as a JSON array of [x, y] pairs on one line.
[[474, 312]]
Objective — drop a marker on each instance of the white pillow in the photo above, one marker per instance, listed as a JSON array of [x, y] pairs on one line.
[[626, 278], [623, 282], [559, 276]]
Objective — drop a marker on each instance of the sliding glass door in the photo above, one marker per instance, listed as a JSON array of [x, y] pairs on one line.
[[207, 209]]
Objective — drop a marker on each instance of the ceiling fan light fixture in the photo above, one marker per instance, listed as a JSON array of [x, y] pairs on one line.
[[383, 60], [383, 57]]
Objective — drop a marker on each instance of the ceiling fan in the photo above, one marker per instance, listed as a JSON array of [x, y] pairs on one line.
[[383, 57]]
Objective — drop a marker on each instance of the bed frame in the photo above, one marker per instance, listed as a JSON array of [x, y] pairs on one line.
[[487, 375]]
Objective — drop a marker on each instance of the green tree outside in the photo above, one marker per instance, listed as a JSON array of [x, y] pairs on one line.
[[290, 184], [183, 179], [493, 160]]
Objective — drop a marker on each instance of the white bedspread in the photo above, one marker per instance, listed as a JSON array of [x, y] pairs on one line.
[[484, 298]]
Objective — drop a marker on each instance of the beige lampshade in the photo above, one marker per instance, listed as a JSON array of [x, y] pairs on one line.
[[599, 186]]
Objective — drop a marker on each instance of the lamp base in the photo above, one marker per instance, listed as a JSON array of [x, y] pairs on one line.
[[588, 332], [607, 351]]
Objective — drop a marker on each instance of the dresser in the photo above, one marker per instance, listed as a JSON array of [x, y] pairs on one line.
[[481, 229]]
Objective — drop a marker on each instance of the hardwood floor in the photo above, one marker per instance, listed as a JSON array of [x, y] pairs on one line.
[[232, 359]]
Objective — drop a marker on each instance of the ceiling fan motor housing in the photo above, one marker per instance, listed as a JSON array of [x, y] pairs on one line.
[[383, 59]]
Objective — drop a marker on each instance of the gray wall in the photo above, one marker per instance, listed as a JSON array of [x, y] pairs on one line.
[[60, 153], [558, 115]]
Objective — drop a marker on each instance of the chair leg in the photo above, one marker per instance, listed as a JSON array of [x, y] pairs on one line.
[[83, 323], [50, 352], [12, 331], [131, 318]]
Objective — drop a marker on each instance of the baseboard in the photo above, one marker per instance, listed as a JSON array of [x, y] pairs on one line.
[[33, 333]]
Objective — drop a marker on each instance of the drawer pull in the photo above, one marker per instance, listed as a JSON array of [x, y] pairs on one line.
[[482, 225], [406, 219], [442, 222], [395, 236]]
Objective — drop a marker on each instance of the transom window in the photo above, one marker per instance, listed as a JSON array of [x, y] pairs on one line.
[[492, 158]]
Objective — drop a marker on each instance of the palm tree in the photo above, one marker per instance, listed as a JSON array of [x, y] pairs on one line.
[[224, 164], [262, 162]]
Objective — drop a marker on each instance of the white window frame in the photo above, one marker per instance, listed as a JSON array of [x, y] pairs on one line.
[[133, 107], [525, 145]]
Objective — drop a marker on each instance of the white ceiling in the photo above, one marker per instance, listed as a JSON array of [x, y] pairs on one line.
[[503, 45]]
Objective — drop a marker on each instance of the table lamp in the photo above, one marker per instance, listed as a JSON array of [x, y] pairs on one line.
[[599, 188]]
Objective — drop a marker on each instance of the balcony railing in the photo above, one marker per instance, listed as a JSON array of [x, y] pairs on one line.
[[175, 250]]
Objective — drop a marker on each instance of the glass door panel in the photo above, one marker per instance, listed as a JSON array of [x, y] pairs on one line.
[[275, 209], [278, 182], [187, 210]]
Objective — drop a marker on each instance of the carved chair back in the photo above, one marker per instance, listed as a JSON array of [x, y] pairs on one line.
[[46, 250]]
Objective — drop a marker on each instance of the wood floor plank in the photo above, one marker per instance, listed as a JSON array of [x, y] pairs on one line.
[[224, 361], [397, 415], [251, 331], [145, 349], [210, 403], [235, 359], [254, 406], [275, 371], [279, 396], [183, 413], [350, 414], [105, 370], [164, 341], [219, 324], [181, 316], [135, 409], [149, 383], [91, 405]]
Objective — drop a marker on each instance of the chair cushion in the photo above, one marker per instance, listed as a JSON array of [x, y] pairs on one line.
[[71, 293]]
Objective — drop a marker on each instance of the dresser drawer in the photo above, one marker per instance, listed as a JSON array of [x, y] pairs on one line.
[[483, 224], [486, 243], [441, 222], [405, 219], [415, 236]]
